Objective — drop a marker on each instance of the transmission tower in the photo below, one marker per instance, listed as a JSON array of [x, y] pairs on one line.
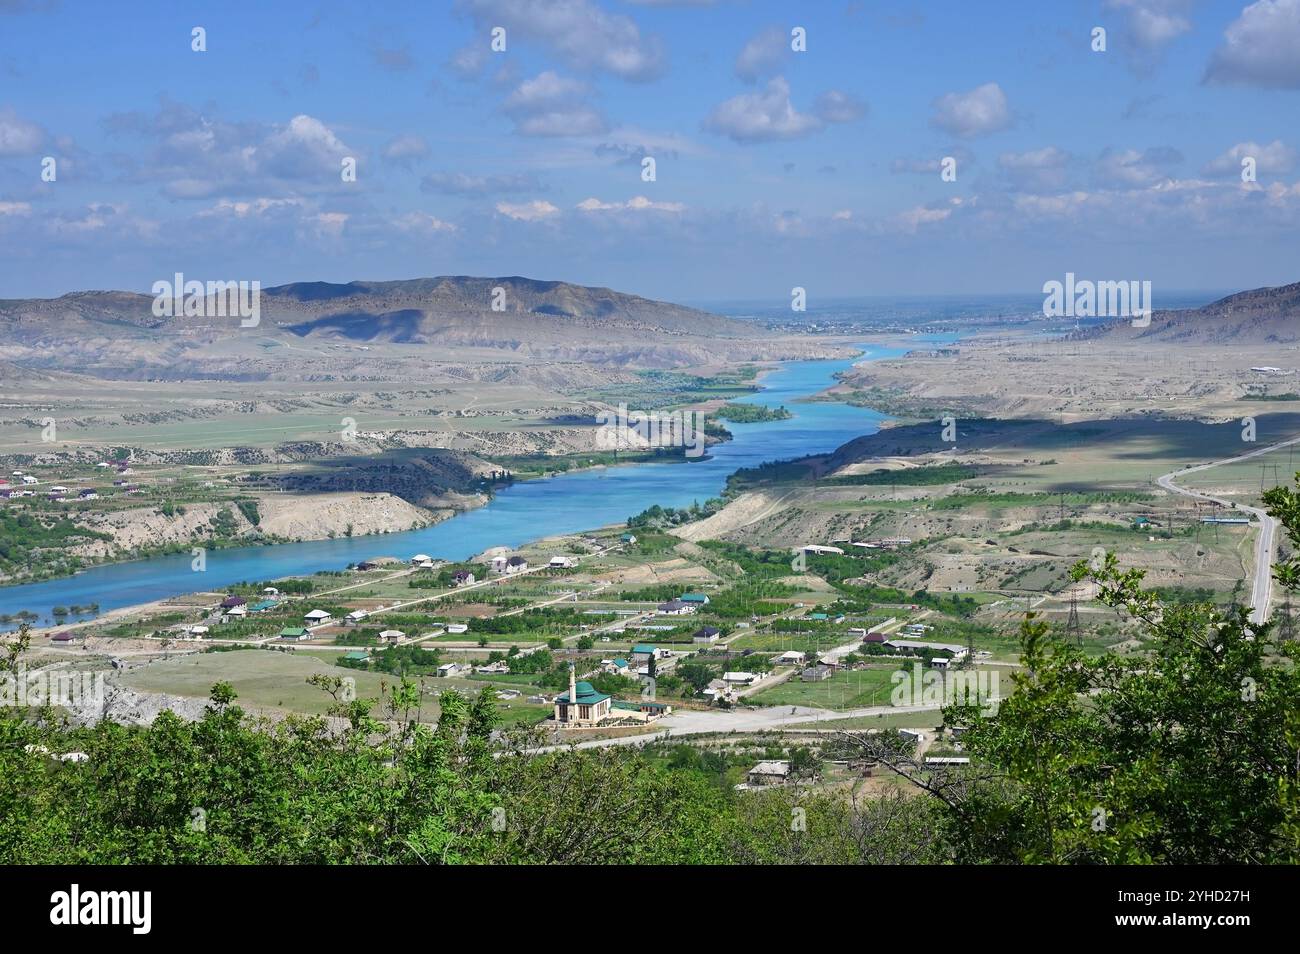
[[1073, 628]]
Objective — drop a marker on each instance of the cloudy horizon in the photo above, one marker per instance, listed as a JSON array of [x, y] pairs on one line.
[[790, 146]]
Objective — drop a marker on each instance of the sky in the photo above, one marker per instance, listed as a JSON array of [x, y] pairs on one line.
[[774, 167]]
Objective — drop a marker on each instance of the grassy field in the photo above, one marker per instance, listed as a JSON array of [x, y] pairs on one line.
[[843, 690], [279, 681]]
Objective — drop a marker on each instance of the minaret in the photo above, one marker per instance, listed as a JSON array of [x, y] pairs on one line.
[[573, 694]]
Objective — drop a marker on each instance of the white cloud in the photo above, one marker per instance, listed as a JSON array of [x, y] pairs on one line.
[[18, 137], [527, 211], [1132, 168], [1275, 157], [835, 106], [1261, 47], [405, 148], [762, 116], [416, 222], [636, 204], [1153, 23], [553, 105], [460, 183], [15, 208], [764, 55], [578, 31], [978, 112]]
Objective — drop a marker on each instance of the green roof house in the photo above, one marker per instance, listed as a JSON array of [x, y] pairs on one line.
[[294, 632]]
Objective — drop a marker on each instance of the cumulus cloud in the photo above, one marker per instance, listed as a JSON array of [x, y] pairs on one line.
[[422, 222], [1036, 169], [406, 149], [635, 204], [1132, 168], [835, 106], [527, 211], [198, 156], [763, 55], [1260, 48], [18, 137], [577, 31], [981, 111], [1152, 23], [15, 208], [1275, 157], [553, 105], [762, 116]]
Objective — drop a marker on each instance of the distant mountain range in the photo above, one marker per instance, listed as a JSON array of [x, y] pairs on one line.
[[116, 334], [1261, 316]]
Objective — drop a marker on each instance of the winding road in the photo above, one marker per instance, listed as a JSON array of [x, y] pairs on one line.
[[1262, 591]]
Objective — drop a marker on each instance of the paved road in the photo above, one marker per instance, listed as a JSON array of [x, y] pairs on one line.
[[1262, 590]]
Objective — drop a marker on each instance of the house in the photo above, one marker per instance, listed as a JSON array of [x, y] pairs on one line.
[[230, 602], [953, 650], [457, 628], [817, 673], [392, 636], [705, 634], [814, 549], [462, 578], [508, 693], [498, 564], [295, 633], [87, 494], [356, 656], [562, 562], [674, 608], [582, 704], [617, 667], [791, 658], [452, 669], [270, 591], [261, 606], [421, 558], [354, 617], [197, 630], [628, 538], [516, 564], [947, 760], [771, 772], [317, 617], [235, 612], [739, 678], [642, 653], [64, 637], [699, 599], [642, 710], [497, 668]]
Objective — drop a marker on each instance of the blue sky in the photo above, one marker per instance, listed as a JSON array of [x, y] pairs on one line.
[[774, 168]]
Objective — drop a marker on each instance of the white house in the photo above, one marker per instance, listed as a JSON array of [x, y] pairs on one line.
[[791, 658], [457, 628], [816, 549], [705, 635], [739, 678], [355, 617], [317, 616], [392, 636], [516, 564], [563, 562], [771, 772], [238, 612], [674, 608], [421, 558]]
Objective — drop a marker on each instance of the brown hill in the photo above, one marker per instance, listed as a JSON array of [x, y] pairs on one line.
[[1260, 316]]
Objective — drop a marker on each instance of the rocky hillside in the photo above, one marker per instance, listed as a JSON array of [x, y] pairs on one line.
[[323, 329], [1260, 316]]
